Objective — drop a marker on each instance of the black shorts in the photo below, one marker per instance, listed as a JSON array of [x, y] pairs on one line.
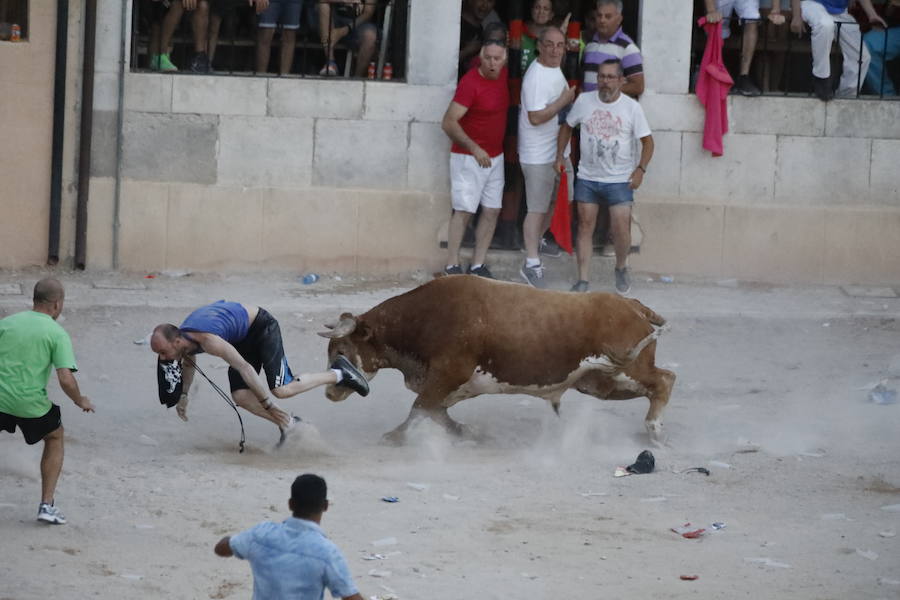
[[34, 429], [262, 348]]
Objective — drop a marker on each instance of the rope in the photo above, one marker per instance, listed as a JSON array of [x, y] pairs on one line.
[[225, 397]]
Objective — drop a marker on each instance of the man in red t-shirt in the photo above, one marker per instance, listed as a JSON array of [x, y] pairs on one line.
[[475, 121]]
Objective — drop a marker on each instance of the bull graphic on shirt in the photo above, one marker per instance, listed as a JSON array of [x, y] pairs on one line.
[[603, 130], [172, 374]]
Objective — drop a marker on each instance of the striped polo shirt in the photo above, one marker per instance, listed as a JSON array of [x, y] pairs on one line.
[[618, 46]]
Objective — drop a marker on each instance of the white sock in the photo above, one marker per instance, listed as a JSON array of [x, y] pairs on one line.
[[478, 266], [339, 374], [532, 262]]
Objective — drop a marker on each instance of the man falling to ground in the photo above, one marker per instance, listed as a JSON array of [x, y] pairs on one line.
[[247, 338]]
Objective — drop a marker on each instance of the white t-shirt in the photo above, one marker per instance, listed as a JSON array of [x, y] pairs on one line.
[[541, 87], [610, 135]]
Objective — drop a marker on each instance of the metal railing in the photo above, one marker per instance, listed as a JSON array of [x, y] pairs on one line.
[[782, 62], [224, 37]]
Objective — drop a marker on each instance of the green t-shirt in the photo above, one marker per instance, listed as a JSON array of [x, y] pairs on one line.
[[31, 343], [529, 51]]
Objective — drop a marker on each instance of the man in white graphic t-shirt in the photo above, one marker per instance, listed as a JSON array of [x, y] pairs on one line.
[[545, 93], [610, 168]]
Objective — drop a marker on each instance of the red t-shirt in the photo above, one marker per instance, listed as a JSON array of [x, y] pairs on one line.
[[487, 101]]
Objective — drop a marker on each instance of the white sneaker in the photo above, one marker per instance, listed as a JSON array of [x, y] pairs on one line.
[[50, 514]]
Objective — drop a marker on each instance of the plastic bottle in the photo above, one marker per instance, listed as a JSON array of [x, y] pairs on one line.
[[16, 33], [388, 72], [370, 73], [310, 278]]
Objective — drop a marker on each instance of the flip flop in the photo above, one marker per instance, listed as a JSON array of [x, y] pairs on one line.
[[330, 69]]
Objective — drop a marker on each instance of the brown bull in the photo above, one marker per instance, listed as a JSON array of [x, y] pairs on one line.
[[461, 336]]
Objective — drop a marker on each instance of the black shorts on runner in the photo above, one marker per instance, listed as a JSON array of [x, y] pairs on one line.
[[262, 348], [34, 429]]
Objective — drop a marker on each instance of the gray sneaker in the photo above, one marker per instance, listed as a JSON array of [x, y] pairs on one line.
[[481, 271], [50, 514], [623, 281], [453, 270], [550, 248], [533, 276], [580, 286]]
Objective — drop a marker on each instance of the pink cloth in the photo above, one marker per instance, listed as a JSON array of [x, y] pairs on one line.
[[712, 88]]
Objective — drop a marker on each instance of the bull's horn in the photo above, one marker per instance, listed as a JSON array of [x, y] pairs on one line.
[[345, 327]]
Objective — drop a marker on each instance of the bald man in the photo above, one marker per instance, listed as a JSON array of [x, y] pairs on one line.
[[31, 343]]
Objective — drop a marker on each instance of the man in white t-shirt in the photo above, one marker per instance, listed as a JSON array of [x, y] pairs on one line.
[[545, 93], [610, 168]]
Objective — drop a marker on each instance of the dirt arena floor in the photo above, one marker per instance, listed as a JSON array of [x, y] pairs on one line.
[[771, 397]]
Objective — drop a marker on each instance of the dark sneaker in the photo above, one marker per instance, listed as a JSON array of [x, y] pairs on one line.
[[550, 248], [285, 431], [453, 270], [200, 63], [623, 281], [580, 286], [822, 88], [50, 514], [481, 271], [533, 276], [745, 86], [352, 378]]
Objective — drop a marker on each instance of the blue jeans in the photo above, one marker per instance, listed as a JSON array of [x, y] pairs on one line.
[[883, 46], [610, 194]]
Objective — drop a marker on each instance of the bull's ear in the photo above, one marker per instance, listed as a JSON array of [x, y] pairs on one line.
[[345, 327]]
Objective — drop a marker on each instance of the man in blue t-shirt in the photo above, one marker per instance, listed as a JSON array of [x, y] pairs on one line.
[[294, 559], [248, 338]]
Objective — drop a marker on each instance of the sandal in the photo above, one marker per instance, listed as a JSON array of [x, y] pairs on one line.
[[330, 69]]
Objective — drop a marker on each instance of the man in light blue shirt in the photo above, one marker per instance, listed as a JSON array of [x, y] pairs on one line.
[[294, 559]]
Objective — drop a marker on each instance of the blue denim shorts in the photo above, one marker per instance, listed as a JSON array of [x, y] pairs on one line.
[[286, 12], [610, 194]]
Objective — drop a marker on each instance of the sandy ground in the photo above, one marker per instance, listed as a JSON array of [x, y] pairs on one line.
[[767, 398]]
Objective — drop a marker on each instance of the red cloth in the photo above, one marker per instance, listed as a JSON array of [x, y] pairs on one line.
[[561, 225], [712, 88], [487, 101]]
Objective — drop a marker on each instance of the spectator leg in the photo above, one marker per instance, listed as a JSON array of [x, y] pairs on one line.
[[288, 43], [328, 35], [215, 24], [854, 72], [751, 29], [620, 226], [264, 37], [200, 24], [584, 241], [459, 220], [368, 37], [484, 232], [51, 463], [877, 80], [533, 228], [169, 25], [822, 26]]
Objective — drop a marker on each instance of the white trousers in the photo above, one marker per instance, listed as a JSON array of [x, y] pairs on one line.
[[824, 28]]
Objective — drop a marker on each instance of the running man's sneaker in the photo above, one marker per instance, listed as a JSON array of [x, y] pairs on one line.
[[287, 430], [50, 514], [481, 271], [623, 281], [533, 276], [163, 63], [580, 286], [352, 378], [453, 270]]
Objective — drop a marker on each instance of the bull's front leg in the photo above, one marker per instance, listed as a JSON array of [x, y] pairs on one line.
[[429, 404]]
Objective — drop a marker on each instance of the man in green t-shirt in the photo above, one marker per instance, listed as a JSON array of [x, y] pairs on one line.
[[31, 343]]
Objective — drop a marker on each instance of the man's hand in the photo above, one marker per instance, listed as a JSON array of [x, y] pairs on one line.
[[797, 25], [568, 95], [181, 407], [261, 5], [776, 18], [283, 418], [876, 20], [560, 164], [84, 403], [481, 157], [637, 177], [713, 16], [189, 4]]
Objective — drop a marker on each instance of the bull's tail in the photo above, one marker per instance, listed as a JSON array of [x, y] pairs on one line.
[[648, 314]]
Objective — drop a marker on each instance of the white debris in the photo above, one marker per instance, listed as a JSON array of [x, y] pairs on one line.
[[870, 554], [388, 541], [379, 573], [887, 534], [891, 507], [719, 464], [420, 487], [768, 562]]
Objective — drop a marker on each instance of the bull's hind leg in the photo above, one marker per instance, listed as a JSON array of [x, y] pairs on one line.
[[659, 388]]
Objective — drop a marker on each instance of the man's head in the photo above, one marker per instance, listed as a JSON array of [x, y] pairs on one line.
[[541, 12], [552, 47], [495, 32], [610, 79], [493, 57], [49, 296], [608, 17], [309, 497], [480, 8], [168, 342]]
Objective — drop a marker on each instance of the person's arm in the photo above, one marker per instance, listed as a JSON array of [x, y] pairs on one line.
[[539, 117], [261, 5], [870, 12], [562, 142], [189, 4], [223, 547], [712, 12], [637, 177], [187, 378], [216, 346], [450, 125], [69, 385], [634, 85]]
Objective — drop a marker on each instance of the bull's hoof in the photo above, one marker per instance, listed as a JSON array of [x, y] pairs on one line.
[[656, 432], [394, 438]]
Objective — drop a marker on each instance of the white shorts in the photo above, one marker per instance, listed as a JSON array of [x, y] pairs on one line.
[[744, 9], [471, 184]]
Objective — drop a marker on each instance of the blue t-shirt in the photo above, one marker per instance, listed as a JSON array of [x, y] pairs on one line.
[[834, 7], [228, 320], [294, 560]]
